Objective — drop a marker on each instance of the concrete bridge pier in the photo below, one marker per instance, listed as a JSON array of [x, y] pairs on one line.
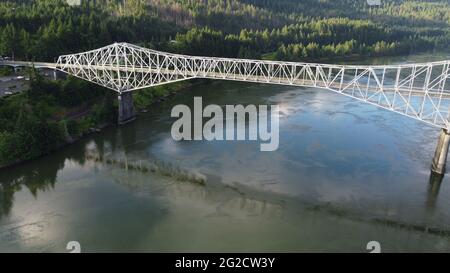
[[126, 109], [440, 156]]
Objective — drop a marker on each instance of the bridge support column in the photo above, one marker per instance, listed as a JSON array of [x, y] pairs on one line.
[[440, 156], [126, 108]]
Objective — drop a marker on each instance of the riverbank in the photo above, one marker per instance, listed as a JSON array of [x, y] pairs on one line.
[[431, 55], [67, 114]]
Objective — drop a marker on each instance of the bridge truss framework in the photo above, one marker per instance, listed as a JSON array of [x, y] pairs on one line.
[[420, 91]]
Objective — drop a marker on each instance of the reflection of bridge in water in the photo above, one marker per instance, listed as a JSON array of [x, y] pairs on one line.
[[420, 91]]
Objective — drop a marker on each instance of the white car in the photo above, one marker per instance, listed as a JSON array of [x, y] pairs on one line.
[[8, 93], [19, 77]]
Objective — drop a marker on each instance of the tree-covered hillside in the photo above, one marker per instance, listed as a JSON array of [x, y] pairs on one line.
[[307, 29]]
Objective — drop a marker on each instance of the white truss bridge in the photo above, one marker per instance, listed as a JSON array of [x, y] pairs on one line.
[[420, 91]]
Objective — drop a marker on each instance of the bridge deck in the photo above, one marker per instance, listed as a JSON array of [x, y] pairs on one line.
[[420, 91], [220, 76]]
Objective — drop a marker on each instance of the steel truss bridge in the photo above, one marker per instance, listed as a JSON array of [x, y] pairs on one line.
[[420, 91]]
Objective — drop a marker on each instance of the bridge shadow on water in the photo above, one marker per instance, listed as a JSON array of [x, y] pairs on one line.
[[210, 188], [42, 177]]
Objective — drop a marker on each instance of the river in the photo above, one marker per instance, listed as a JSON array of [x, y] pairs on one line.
[[345, 173]]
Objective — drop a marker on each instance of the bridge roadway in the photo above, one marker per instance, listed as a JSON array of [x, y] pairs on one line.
[[335, 86]]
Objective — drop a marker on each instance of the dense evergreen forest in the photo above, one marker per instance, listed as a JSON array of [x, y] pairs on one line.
[[307, 29], [51, 114]]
